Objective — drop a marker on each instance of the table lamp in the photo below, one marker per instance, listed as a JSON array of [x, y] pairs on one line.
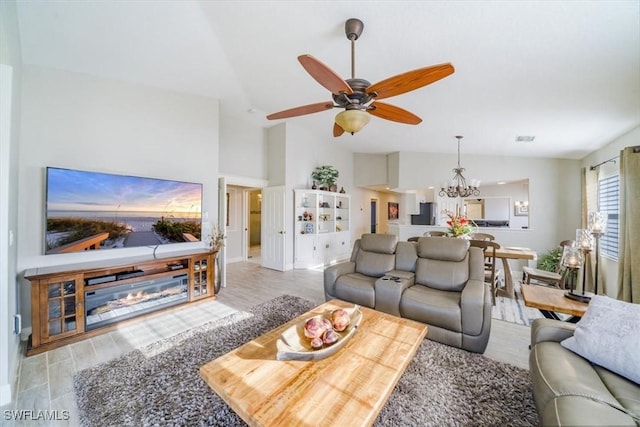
[[572, 260], [584, 243]]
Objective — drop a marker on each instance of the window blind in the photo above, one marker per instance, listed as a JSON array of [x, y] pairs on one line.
[[609, 201]]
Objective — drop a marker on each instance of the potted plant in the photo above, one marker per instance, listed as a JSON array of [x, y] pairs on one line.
[[550, 260], [325, 176]]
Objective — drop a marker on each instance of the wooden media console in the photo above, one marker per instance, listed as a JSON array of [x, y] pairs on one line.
[[74, 302]]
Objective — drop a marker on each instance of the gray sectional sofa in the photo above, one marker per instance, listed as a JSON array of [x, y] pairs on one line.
[[437, 281]]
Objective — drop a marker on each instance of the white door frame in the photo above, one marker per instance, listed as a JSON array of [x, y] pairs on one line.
[[249, 183], [222, 223]]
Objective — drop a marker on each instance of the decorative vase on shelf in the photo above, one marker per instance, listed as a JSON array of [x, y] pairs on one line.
[[342, 190], [333, 188], [314, 186]]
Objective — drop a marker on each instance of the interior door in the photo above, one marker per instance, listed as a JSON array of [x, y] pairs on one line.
[[374, 215], [273, 228]]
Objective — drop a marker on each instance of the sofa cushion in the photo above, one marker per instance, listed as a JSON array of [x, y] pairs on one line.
[[447, 249], [379, 243], [356, 288], [432, 306], [406, 256], [374, 264], [556, 372], [608, 335], [443, 275], [582, 411], [569, 390], [626, 392]]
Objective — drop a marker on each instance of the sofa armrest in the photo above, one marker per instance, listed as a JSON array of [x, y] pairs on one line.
[[332, 273], [550, 330], [472, 301], [389, 289]]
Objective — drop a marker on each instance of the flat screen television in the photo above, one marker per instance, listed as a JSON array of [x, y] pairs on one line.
[[94, 210]]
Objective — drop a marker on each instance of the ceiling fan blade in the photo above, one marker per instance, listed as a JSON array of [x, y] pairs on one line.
[[410, 80], [393, 113], [301, 111], [337, 130], [324, 75]]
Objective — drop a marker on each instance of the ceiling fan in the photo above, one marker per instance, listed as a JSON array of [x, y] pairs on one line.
[[359, 97]]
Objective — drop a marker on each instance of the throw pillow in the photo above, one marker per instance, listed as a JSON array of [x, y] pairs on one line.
[[609, 335]]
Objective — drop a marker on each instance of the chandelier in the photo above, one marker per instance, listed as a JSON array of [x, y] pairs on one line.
[[458, 187]]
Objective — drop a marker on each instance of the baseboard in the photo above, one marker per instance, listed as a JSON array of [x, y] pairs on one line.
[[5, 394], [24, 334]]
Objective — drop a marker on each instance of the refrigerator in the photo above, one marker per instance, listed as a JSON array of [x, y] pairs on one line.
[[427, 215]]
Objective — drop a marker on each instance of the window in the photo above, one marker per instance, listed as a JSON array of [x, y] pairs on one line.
[[609, 201]]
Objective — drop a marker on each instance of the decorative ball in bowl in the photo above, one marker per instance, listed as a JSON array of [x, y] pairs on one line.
[[319, 336]]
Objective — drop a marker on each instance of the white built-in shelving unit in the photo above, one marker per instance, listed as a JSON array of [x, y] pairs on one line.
[[322, 227]]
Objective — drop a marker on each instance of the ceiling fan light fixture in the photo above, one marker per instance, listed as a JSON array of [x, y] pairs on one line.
[[352, 121]]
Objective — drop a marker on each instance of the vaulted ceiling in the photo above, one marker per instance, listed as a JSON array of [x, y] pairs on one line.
[[566, 72]]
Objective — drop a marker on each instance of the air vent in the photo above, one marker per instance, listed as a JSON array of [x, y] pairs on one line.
[[525, 138]]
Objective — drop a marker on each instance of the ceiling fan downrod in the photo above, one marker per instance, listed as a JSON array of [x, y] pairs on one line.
[[353, 29]]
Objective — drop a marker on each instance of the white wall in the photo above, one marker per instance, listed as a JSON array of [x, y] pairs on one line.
[[10, 90], [376, 171], [276, 154], [82, 122], [242, 149]]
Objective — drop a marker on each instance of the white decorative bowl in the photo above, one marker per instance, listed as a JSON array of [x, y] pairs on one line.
[[294, 345]]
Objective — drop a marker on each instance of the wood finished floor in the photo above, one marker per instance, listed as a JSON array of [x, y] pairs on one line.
[[44, 381]]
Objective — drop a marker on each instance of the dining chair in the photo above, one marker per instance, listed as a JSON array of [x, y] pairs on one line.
[[491, 274], [554, 278], [482, 236], [435, 234], [413, 239]]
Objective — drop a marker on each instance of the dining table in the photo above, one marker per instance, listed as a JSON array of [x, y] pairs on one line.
[[505, 253]]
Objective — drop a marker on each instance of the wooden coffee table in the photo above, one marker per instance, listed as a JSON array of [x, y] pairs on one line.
[[551, 301], [348, 388]]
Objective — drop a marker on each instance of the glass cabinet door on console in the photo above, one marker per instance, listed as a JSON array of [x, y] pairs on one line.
[[60, 308], [202, 270]]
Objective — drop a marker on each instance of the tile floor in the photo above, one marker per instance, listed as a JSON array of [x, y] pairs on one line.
[[44, 381]]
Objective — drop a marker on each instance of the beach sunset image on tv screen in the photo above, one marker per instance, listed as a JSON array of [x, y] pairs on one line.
[[92, 210]]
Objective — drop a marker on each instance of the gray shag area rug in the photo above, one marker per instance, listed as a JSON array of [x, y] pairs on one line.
[[160, 385]]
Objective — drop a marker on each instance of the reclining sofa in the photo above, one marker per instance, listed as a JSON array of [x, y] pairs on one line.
[[569, 390], [437, 281]]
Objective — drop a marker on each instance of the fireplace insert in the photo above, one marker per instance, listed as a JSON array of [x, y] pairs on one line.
[[113, 304]]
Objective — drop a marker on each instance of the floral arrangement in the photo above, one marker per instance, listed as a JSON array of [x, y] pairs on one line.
[[459, 225], [216, 241]]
